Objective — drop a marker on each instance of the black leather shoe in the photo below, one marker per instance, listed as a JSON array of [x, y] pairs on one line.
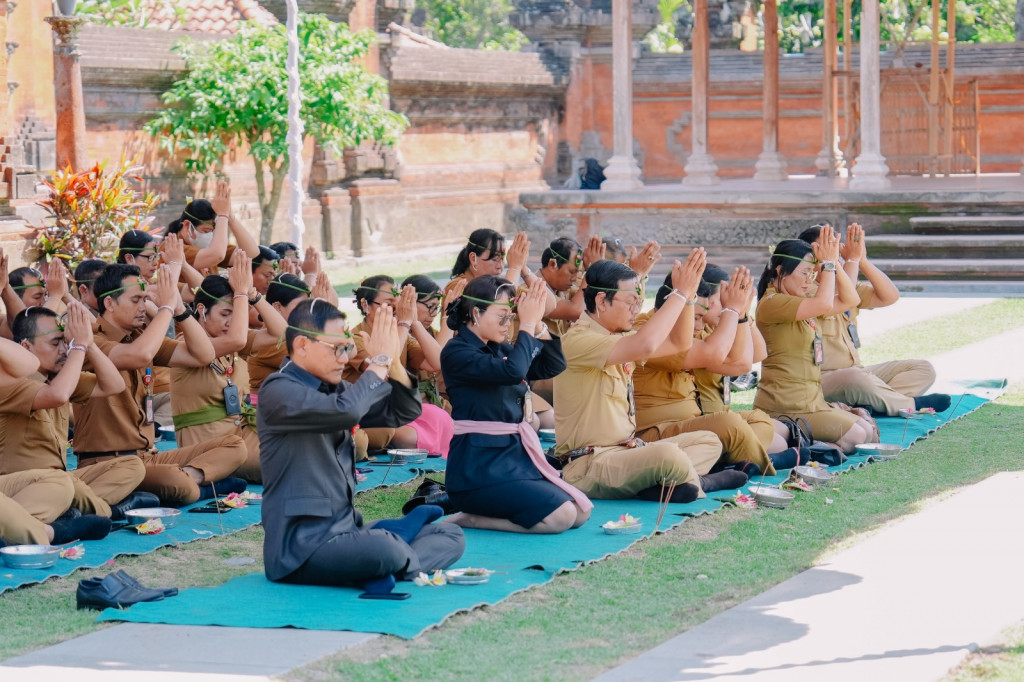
[[71, 514], [112, 592], [439, 499], [429, 486], [137, 500], [123, 575]]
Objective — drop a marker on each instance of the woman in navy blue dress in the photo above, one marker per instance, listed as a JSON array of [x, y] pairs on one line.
[[496, 475]]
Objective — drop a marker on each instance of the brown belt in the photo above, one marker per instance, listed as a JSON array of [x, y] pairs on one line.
[[633, 442], [109, 453]]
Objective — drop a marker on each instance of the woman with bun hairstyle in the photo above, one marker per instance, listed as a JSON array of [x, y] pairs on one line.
[[497, 475], [799, 284]]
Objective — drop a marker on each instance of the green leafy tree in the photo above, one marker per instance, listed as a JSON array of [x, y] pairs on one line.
[[474, 24], [662, 38], [134, 13], [235, 93]]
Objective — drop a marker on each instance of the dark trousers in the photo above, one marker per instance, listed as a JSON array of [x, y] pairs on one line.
[[368, 553]]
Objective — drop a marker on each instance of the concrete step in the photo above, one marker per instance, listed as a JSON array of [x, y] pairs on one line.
[[961, 288], [726, 257], [953, 268], [972, 224], [946, 246]]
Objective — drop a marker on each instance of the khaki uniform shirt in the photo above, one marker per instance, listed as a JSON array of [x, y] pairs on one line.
[[193, 388], [263, 362], [35, 439], [665, 392], [790, 381], [709, 384], [118, 422], [840, 353], [191, 251], [592, 397], [560, 327], [352, 371]]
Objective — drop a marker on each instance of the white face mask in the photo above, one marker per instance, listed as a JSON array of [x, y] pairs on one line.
[[202, 239]]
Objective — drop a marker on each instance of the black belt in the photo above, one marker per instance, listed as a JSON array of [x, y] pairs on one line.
[[109, 453]]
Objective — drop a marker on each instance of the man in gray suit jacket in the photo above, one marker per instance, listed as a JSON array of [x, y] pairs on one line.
[[305, 419]]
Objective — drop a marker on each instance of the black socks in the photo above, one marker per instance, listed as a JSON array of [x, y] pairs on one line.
[[87, 527], [937, 401]]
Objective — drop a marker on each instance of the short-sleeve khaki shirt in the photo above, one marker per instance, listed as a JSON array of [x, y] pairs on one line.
[[665, 392], [35, 439], [118, 422], [790, 381], [840, 353], [263, 362], [592, 397], [352, 371], [709, 384], [194, 388]]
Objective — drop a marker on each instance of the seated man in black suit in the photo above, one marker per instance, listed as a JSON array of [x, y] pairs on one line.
[[305, 420]]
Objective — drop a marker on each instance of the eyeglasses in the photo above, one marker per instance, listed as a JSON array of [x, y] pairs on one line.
[[340, 349], [147, 256], [810, 274], [432, 308], [506, 318], [634, 304]]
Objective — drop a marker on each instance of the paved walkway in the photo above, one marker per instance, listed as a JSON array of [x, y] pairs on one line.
[[907, 603], [784, 633]]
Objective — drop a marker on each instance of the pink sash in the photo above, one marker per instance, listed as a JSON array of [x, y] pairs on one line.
[[532, 444]]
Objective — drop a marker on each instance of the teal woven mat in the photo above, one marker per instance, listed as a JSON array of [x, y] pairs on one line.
[[521, 561]]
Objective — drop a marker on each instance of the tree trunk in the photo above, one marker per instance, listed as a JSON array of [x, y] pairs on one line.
[[1019, 22], [269, 202], [266, 219]]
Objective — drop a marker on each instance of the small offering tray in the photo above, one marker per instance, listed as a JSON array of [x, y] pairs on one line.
[[767, 496]]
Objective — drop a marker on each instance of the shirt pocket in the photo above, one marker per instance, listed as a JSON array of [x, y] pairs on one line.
[[830, 327], [308, 506]]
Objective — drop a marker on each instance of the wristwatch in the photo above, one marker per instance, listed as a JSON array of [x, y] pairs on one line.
[[184, 315], [828, 266], [381, 360]]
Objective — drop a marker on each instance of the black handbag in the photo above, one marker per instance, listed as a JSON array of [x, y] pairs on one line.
[[800, 435]]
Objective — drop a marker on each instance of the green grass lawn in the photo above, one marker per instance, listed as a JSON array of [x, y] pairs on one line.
[[1003, 660], [591, 619]]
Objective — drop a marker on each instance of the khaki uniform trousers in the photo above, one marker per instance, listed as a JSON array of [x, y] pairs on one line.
[[106, 483], [31, 499], [886, 388], [619, 473], [739, 442], [165, 474], [235, 425]]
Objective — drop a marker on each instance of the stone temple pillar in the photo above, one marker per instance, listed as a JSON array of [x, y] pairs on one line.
[[771, 165], [700, 167], [622, 173], [67, 85], [871, 171]]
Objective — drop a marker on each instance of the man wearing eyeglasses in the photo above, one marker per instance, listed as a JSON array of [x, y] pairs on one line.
[[595, 409], [122, 425], [314, 535], [35, 410]]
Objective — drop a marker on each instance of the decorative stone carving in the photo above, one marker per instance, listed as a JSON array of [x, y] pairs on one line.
[[371, 159], [66, 30], [550, 21]]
